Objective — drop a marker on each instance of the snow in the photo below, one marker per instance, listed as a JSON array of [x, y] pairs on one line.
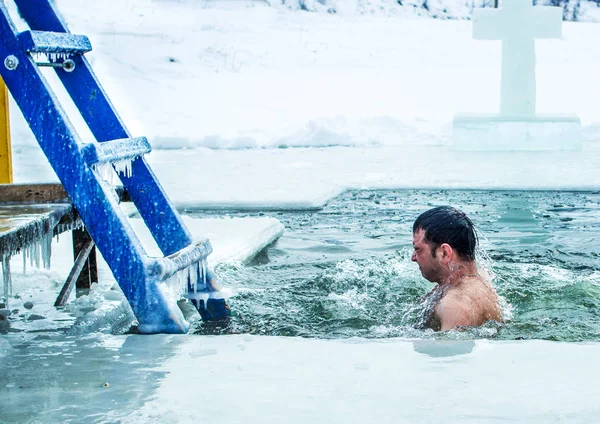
[[255, 93]]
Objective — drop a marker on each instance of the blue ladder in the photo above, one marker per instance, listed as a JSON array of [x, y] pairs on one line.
[[151, 285]]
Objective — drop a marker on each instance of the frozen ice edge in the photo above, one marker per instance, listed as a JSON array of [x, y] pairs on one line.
[[341, 372]]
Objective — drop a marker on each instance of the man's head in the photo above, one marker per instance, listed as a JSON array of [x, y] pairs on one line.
[[442, 235]]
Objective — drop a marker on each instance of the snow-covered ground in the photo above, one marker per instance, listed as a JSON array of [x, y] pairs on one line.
[[224, 90], [262, 107]]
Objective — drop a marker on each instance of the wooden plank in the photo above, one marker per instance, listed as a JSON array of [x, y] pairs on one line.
[[24, 225], [42, 193], [33, 193], [89, 270], [80, 262]]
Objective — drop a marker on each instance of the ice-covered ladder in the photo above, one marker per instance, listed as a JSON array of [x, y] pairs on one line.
[[146, 282]]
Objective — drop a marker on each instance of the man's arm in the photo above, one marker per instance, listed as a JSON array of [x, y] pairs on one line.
[[451, 314]]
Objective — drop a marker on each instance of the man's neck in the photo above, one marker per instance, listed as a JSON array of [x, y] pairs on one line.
[[460, 272]]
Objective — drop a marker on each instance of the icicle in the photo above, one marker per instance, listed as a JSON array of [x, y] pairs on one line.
[[62, 228], [7, 286], [194, 278], [24, 256], [34, 254], [123, 167], [46, 250], [29, 253], [204, 280]]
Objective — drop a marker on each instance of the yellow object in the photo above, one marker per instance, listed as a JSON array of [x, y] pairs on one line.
[[6, 176]]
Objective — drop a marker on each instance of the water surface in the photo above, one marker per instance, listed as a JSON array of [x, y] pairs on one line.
[[345, 270]]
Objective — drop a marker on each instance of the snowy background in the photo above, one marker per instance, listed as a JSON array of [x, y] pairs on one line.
[[258, 106]]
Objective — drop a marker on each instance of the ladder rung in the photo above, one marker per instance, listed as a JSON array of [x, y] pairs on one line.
[[54, 42], [165, 267], [115, 150]]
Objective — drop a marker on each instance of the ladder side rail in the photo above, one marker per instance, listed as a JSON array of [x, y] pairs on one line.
[[159, 214], [94, 201]]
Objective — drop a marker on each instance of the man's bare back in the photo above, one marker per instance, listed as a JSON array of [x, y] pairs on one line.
[[471, 302]]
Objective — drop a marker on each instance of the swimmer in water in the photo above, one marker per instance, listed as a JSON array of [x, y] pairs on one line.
[[444, 242]]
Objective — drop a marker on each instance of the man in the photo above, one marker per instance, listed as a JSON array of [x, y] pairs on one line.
[[444, 244]]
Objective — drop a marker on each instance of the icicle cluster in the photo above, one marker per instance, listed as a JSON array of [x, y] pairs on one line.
[[50, 57], [124, 167], [36, 252], [41, 249], [70, 226], [109, 172], [191, 279], [106, 173]]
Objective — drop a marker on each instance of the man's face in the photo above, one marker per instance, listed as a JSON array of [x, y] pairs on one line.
[[429, 264]]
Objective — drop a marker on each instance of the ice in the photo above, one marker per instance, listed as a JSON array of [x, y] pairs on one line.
[[476, 132], [193, 282], [123, 167], [517, 24], [107, 171], [6, 278], [357, 380]]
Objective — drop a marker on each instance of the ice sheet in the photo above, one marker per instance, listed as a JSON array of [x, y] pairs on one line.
[[233, 239], [272, 379]]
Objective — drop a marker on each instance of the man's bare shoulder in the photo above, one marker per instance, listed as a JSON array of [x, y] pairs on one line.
[[452, 312], [468, 306]]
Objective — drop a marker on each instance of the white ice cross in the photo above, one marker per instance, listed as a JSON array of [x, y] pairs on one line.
[[517, 23]]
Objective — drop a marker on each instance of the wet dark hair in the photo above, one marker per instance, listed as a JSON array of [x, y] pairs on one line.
[[446, 224]]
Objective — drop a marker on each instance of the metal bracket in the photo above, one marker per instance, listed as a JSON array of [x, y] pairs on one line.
[[67, 65]]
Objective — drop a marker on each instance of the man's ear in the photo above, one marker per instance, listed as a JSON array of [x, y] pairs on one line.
[[447, 253]]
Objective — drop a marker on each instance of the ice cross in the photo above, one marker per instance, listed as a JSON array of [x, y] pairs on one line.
[[517, 23]]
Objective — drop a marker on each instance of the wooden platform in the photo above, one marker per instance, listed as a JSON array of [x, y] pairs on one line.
[[25, 224], [28, 213], [31, 212]]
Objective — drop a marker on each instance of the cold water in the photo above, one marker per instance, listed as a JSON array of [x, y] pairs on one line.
[[345, 270]]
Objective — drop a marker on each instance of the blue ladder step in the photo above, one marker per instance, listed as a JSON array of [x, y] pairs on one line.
[[54, 42], [164, 268], [115, 150]]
